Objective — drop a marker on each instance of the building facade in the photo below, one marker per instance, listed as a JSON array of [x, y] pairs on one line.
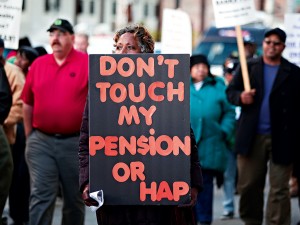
[[105, 16]]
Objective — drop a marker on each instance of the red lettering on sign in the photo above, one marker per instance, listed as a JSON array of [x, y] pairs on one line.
[[96, 143], [142, 91], [164, 191], [180, 188], [113, 92], [148, 113], [114, 145], [171, 64], [103, 86], [185, 146], [108, 66], [141, 66], [172, 91], [131, 67], [104, 60], [148, 191], [111, 146], [129, 145], [151, 91], [134, 171], [128, 115], [137, 171], [117, 176]]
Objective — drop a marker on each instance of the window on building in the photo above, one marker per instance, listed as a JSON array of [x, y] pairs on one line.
[[23, 5], [79, 6], [52, 5], [114, 8], [157, 10], [146, 10], [92, 5]]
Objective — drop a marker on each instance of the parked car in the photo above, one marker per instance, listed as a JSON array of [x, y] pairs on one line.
[[218, 43]]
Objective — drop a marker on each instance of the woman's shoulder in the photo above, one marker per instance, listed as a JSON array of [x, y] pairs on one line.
[[219, 80]]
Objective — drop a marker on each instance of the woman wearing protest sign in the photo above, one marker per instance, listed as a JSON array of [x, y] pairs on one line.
[[213, 121], [132, 40]]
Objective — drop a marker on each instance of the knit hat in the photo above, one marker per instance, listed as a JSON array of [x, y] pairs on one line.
[[197, 59]]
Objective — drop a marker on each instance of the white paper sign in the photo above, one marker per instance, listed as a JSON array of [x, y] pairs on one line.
[[10, 18], [292, 29], [230, 13], [176, 35]]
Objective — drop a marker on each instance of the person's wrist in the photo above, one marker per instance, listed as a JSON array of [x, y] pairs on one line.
[[86, 188]]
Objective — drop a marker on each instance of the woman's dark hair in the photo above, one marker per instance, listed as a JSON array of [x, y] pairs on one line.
[[145, 40], [41, 50], [29, 53]]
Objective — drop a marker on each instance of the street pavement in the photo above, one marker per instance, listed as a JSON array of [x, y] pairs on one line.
[[90, 218]]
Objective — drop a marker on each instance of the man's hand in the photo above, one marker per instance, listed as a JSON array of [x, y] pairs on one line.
[[247, 97], [88, 201], [194, 194]]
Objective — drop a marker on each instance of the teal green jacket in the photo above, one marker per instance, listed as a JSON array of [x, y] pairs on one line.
[[213, 122]]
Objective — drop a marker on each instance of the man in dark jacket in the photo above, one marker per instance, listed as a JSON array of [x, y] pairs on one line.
[[5, 154], [267, 131]]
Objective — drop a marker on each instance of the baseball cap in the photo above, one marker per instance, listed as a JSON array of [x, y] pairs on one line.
[[63, 25], [249, 40], [277, 31]]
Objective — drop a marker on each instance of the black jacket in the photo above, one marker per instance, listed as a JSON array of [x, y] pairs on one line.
[[5, 95], [284, 103]]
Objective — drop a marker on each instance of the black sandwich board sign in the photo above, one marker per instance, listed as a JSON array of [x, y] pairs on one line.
[[139, 128]]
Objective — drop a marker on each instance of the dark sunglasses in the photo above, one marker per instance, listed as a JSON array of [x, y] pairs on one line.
[[275, 43]]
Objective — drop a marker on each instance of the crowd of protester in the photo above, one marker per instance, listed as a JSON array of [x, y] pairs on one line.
[[238, 136]]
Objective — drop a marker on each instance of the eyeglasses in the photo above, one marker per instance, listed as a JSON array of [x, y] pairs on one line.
[[275, 43]]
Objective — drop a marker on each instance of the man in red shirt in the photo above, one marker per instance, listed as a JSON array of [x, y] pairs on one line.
[[54, 96]]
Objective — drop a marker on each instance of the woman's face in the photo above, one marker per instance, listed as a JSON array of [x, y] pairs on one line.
[[127, 44], [199, 72], [22, 62]]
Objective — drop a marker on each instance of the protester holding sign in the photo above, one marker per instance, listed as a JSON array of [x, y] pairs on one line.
[[132, 40], [54, 96], [267, 132]]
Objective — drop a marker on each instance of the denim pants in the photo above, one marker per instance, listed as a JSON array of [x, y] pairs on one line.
[[229, 183], [53, 162], [204, 205]]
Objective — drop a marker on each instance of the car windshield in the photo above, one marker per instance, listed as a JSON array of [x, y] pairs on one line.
[[216, 52]]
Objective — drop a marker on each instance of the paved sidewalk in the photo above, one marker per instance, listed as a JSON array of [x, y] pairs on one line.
[[90, 218]]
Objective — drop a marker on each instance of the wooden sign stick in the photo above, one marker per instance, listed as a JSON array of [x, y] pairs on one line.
[[242, 55]]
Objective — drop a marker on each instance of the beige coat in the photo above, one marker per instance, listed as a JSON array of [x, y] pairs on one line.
[[16, 79]]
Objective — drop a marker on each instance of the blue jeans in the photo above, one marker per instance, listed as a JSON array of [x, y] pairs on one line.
[[229, 183], [204, 205]]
